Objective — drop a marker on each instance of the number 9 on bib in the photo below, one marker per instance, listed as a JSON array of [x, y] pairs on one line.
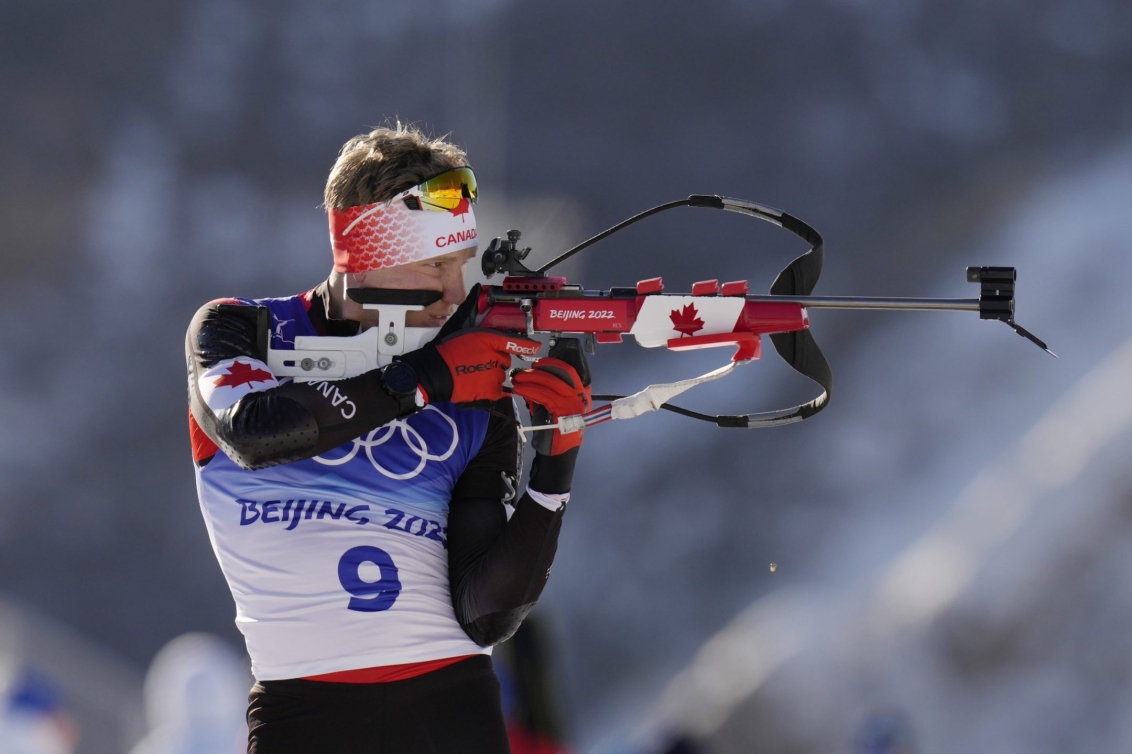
[[369, 596]]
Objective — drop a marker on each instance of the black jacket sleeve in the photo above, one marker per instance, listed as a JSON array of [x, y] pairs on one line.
[[498, 567], [285, 423]]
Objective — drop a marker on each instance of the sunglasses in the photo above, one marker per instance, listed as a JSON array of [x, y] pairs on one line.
[[442, 193]]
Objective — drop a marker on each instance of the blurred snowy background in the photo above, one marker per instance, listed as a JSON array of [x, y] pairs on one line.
[[952, 536]]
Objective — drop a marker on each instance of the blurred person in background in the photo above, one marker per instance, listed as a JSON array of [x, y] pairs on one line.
[[531, 703], [34, 718], [194, 692], [361, 524]]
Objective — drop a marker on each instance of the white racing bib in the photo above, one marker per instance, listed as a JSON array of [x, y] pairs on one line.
[[340, 561]]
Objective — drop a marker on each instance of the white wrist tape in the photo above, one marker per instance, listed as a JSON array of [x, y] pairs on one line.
[[550, 502]]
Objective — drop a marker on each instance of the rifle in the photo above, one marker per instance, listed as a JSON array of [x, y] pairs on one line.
[[713, 315]]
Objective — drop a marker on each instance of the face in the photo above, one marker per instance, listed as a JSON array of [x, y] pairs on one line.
[[444, 273]]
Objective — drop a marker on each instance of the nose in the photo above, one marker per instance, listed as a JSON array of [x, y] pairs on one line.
[[454, 289]]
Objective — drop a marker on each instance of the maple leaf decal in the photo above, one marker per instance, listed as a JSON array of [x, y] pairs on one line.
[[241, 374], [461, 209], [686, 321]]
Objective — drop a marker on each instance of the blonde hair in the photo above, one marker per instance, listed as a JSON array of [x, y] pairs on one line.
[[377, 166]]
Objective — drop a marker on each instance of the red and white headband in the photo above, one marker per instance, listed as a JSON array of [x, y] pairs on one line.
[[420, 223]]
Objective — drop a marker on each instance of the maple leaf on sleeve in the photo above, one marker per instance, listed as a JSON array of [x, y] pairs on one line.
[[241, 373], [686, 321]]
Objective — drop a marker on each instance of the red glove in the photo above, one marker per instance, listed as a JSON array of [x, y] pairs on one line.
[[553, 389], [469, 365]]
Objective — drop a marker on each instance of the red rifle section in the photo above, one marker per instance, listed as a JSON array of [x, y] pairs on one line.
[[559, 307]]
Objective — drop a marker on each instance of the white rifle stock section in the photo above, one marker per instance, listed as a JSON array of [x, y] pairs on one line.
[[316, 357]]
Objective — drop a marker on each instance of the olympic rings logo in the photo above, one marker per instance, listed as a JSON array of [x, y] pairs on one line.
[[412, 438]]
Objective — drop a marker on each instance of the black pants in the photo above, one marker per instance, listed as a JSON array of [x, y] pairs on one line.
[[454, 710]]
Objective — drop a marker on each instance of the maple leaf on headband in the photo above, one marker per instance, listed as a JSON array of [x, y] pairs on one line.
[[686, 321], [241, 374], [461, 209]]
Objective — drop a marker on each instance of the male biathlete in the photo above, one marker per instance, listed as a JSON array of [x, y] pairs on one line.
[[361, 523]]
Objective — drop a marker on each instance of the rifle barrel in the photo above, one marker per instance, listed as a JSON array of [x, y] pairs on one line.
[[870, 302]]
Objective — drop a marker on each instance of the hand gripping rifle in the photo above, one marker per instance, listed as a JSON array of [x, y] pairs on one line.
[[713, 315]]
